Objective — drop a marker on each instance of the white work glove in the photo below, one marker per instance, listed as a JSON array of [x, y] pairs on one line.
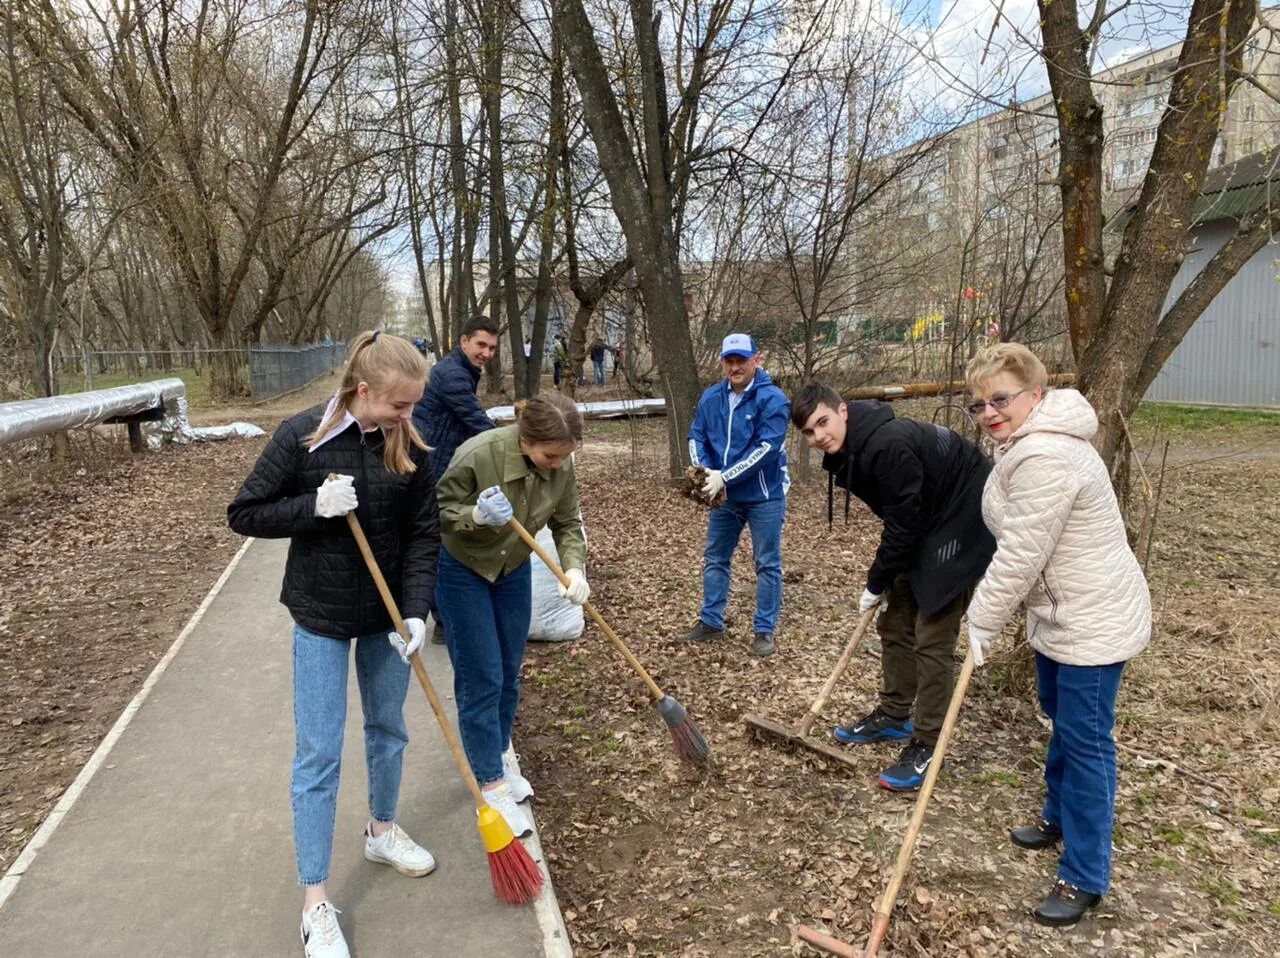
[[336, 497], [418, 629], [713, 484], [980, 643], [493, 508], [577, 591], [871, 599]]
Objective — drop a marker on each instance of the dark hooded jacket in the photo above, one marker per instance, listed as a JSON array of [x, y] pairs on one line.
[[925, 482]]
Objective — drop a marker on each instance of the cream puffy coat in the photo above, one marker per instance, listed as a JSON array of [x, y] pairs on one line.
[[1061, 546]]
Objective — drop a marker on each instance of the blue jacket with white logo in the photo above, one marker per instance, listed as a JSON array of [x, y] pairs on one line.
[[746, 443]]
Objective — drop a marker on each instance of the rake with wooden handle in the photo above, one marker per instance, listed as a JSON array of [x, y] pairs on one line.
[[769, 729], [515, 875], [690, 745], [884, 909]]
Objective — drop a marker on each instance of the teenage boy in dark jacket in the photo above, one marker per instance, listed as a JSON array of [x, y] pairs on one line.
[[738, 434], [448, 414], [925, 482]]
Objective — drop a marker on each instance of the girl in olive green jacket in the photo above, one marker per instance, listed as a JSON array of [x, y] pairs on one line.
[[483, 586]]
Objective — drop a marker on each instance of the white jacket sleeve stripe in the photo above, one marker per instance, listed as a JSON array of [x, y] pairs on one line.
[[1040, 499], [693, 453], [738, 468]]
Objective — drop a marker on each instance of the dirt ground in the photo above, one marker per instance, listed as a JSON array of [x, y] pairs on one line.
[[651, 857]]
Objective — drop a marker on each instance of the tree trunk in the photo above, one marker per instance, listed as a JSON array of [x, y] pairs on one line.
[[1118, 334], [641, 200]]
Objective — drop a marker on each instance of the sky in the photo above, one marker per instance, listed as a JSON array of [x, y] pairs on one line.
[[966, 64]]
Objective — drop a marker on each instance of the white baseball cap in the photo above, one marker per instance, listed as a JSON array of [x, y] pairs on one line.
[[738, 344]]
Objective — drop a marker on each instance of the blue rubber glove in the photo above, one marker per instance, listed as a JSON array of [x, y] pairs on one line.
[[492, 508]]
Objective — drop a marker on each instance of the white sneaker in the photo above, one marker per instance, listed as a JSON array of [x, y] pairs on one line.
[[321, 936], [521, 790], [503, 802], [393, 847]]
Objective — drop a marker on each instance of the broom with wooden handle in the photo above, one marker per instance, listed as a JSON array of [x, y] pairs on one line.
[[884, 909], [690, 745], [516, 876]]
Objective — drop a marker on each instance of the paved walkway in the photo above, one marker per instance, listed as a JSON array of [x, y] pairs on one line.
[[180, 842]]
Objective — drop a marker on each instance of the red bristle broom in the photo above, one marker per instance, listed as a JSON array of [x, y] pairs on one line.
[[690, 745], [516, 876]]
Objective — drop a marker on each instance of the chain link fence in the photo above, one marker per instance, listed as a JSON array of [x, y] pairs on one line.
[[262, 372], [279, 369]]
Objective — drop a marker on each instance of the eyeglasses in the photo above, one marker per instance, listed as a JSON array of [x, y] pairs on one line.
[[995, 402]]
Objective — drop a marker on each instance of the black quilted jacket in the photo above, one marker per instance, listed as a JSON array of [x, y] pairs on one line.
[[327, 587]]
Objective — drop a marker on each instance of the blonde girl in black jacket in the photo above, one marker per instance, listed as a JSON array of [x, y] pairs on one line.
[[366, 437]]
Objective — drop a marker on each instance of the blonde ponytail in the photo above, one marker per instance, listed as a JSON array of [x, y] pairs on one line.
[[376, 358]]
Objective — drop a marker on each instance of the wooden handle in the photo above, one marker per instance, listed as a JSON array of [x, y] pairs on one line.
[[420, 670], [826, 942], [845, 658], [621, 646], [885, 907]]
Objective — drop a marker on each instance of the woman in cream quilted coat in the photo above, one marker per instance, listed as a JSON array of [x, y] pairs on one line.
[[1061, 551]]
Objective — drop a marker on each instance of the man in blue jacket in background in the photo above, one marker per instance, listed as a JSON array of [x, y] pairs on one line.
[[738, 436], [448, 414]]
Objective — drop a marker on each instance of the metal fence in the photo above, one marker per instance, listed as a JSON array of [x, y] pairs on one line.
[[266, 371], [278, 369]]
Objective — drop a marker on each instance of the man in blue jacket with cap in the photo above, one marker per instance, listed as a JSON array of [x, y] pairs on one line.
[[738, 436]]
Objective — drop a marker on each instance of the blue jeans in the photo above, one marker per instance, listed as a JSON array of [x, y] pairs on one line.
[[724, 529], [597, 370], [1080, 769], [319, 716], [486, 625]]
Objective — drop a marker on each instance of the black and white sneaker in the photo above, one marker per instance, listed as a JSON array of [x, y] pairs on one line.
[[907, 774], [321, 936]]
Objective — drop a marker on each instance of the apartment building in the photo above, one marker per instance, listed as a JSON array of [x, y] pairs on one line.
[[978, 207]]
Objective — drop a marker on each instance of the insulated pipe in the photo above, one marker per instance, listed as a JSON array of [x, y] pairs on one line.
[[39, 417]]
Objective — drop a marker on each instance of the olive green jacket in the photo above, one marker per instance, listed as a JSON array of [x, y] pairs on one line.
[[539, 497]]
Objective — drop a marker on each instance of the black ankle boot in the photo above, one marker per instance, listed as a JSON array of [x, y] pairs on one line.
[[1065, 905], [1042, 834]]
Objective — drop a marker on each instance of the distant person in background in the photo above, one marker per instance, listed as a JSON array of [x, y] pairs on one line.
[[449, 413], [360, 454], [560, 359], [617, 359], [528, 347], [597, 362]]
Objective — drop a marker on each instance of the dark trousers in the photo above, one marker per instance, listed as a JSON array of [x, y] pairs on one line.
[[556, 367], [917, 656]]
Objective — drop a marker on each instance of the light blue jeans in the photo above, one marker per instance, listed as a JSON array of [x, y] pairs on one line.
[[1080, 769], [319, 716], [486, 626], [724, 529]]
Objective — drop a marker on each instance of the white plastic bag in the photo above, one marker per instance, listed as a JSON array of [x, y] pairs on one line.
[[554, 619]]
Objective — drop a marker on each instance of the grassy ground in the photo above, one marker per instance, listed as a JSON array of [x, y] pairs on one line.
[[1194, 419]]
